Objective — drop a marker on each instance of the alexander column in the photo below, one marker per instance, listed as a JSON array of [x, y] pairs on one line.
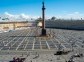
[[43, 20]]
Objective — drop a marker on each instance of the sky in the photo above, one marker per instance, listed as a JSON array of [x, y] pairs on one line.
[[33, 8]]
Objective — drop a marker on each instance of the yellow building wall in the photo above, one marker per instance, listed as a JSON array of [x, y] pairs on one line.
[[11, 26], [6, 26]]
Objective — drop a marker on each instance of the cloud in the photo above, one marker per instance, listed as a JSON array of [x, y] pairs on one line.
[[11, 16], [24, 16], [74, 15], [8, 14], [21, 16]]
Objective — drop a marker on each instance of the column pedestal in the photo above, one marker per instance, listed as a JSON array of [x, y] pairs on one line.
[[43, 32]]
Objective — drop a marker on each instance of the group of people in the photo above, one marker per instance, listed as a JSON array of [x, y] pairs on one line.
[[17, 59]]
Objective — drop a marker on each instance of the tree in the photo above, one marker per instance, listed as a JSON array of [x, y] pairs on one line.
[[38, 20], [53, 18]]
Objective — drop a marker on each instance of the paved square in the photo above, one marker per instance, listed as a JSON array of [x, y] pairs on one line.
[[20, 42]]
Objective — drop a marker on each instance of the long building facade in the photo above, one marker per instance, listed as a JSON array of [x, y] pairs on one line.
[[65, 24], [4, 26]]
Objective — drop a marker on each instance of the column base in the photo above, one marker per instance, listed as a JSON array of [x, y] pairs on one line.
[[43, 32]]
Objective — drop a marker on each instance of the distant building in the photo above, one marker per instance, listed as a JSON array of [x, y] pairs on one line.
[[14, 25]]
